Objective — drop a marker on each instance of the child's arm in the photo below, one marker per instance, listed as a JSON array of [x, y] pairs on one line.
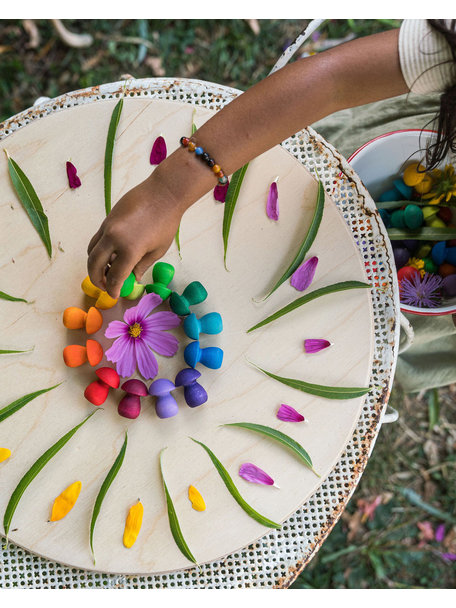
[[142, 225]]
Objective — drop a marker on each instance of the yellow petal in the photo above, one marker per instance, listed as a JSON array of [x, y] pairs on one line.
[[5, 453], [413, 174], [133, 524], [196, 499], [65, 501]]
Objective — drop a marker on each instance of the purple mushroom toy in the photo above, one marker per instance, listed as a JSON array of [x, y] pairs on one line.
[[130, 405], [166, 405], [194, 393]]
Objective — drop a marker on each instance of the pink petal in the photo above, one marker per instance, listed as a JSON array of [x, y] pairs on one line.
[[315, 345], [303, 276], [440, 533], [451, 557], [162, 343], [289, 414], [158, 152], [220, 192], [117, 349], [161, 320], [126, 362], [272, 205], [130, 315], [146, 305], [116, 329], [147, 363], [252, 473], [73, 179]]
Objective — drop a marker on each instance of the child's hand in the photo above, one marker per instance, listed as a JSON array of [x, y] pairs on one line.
[[137, 232]]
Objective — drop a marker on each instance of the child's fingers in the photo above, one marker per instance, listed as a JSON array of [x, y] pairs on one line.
[[94, 240], [119, 271], [143, 264], [98, 259]]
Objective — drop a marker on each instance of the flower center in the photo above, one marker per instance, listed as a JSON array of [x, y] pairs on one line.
[[135, 330]]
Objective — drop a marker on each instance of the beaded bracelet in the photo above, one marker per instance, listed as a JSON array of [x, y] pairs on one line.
[[204, 156]]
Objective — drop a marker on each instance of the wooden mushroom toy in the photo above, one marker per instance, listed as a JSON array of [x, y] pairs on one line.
[[97, 391], [166, 405], [130, 405], [194, 393]]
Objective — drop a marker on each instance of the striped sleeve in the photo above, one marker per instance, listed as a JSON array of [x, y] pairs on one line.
[[425, 57]]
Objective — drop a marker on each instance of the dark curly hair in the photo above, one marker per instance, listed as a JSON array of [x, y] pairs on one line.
[[445, 120]]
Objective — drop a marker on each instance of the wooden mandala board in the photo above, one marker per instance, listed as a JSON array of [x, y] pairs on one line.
[[259, 250]]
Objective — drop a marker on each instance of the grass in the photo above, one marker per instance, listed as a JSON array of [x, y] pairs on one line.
[[387, 551]]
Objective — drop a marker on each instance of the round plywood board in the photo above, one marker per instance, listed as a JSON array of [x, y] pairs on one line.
[[259, 251]]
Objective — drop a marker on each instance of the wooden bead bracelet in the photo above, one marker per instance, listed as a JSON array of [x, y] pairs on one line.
[[204, 156]]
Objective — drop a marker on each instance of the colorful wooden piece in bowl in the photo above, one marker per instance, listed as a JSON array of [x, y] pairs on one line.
[[193, 294], [77, 318], [165, 406], [211, 357], [162, 275], [207, 324], [130, 405], [97, 391], [194, 393]]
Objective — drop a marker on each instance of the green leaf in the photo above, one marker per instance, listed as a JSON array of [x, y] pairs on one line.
[[416, 500], [283, 439], [30, 202], [5, 296], [10, 352], [235, 492], [313, 295], [173, 521], [230, 203], [115, 117], [308, 239], [328, 392], [177, 238], [433, 408], [33, 472], [13, 407], [103, 490], [423, 234], [194, 127]]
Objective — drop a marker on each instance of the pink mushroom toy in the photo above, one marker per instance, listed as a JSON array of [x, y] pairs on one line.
[[130, 405]]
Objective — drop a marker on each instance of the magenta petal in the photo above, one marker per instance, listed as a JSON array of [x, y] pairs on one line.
[[315, 345], [126, 363], [116, 329], [117, 349], [146, 305], [147, 363], [158, 152], [164, 344], [440, 533], [73, 179], [451, 557], [164, 319], [220, 192], [289, 414], [303, 276], [252, 473], [272, 205]]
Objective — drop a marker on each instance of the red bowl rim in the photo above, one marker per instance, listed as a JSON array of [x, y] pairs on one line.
[[404, 307]]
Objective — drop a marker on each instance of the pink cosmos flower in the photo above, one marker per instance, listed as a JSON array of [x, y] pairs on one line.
[[140, 332]]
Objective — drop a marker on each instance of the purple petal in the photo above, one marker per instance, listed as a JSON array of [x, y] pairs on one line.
[[303, 276], [289, 414], [147, 363], [220, 192], [315, 345], [146, 305], [73, 179], [164, 344], [161, 320], [272, 205], [252, 473], [440, 533], [116, 329], [451, 557], [158, 152], [126, 362], [130, 315], [117, 349]]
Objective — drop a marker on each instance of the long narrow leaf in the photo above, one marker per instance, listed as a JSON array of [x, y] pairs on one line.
[[10, 352], [30, 201], [283, 439], [416, 500], [230, 203], [328, 392], [307, 242], [13, 407], [177, 239], [173, 520], [235, 492], [115, 117], [423, 234], [313, 295], [103, 490], [33, 472], [6, 296]]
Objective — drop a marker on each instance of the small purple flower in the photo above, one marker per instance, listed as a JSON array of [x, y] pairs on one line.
[[440, 533], [289, 414], [272, 205], [220, 192], [449, 557], [421, 292], [315, 345], [73, 179], [250, 472], [140, 332], [303, 276], [159, 151]]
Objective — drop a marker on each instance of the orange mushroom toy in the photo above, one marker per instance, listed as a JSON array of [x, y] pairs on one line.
[[75, 355], [76, 318]]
